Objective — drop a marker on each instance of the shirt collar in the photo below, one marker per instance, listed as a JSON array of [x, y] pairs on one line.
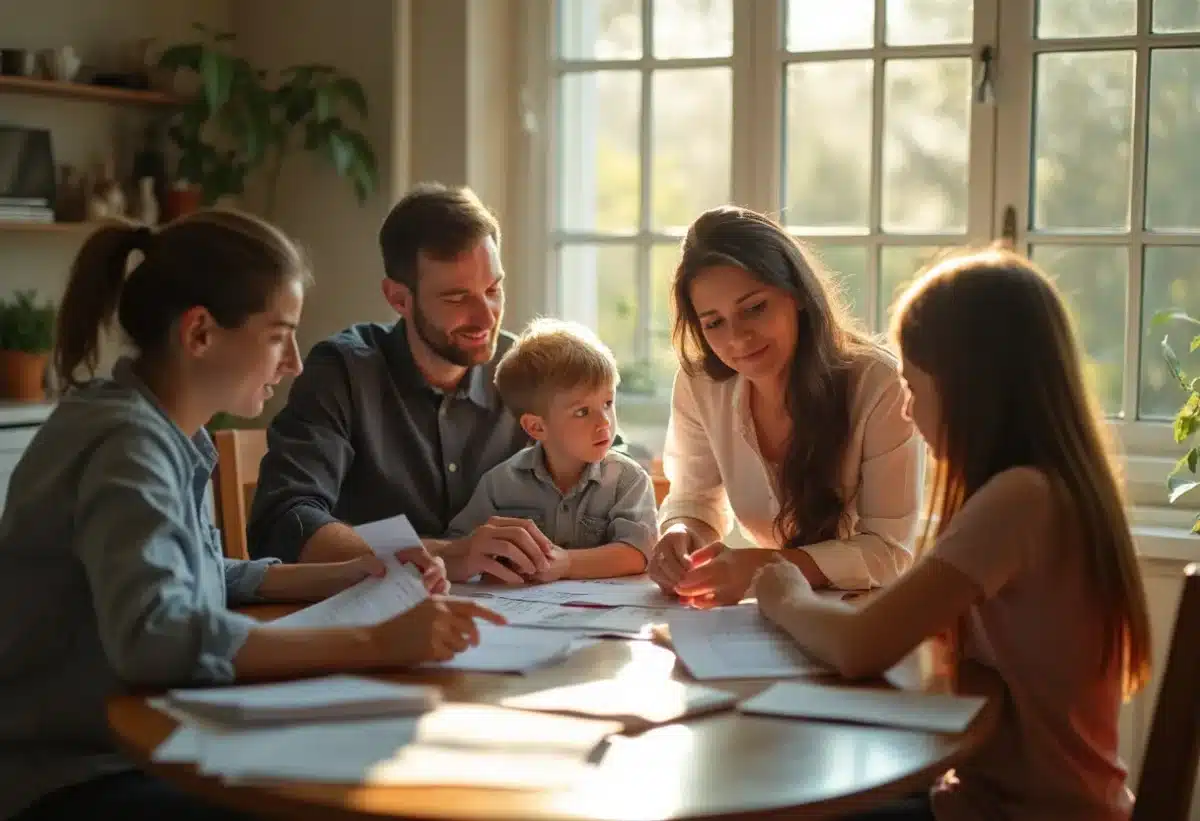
[[476, 385], [533, 458], [200, 448]]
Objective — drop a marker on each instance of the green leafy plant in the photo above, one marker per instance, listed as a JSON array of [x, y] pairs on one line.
[[1183, 478], [25, 325], [241, 122], [636, 378]]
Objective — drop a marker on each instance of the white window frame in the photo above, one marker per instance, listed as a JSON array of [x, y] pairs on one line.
[[756, 181]]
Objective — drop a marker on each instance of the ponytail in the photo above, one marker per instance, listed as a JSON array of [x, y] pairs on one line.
[[92, 296]]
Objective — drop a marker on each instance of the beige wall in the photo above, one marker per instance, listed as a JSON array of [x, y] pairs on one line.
[[83, 132]]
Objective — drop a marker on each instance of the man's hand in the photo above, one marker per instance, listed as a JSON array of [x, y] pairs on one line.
[[511, 550]]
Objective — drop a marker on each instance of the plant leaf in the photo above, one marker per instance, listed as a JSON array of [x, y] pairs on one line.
[[352, 92], [324, 102], [341, 150], [182, 56], [1188, 418], [217, 70], [1195, 344], [1196, 525], [1173, 363], [1161, 317], [1178, 486]]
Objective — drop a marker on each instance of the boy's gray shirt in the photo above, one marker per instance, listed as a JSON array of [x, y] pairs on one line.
[[612, 502], [111, 574]]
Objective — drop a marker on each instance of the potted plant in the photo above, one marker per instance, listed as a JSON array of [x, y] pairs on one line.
[[1183, 478], [26, 336], [241, 121]]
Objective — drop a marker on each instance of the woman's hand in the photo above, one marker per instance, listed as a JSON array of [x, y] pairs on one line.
[[432, 568], [719, 575], [776, 585], [437, 629], [669, 558]]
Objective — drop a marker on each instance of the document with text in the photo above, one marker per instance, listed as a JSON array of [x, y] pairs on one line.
[[736, 642]]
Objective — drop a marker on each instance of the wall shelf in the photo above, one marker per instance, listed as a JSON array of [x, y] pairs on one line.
[[46, 227], [84, 91]]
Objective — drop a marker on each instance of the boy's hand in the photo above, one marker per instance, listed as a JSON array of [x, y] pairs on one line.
[[560, 566]]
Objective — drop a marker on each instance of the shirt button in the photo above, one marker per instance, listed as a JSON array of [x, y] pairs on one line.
[[452, 467]]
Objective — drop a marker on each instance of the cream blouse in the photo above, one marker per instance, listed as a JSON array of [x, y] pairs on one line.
[[716, 467]]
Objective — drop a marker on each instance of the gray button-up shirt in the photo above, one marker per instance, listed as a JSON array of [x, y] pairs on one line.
[[612, 502], [111, 572], [364, 437]]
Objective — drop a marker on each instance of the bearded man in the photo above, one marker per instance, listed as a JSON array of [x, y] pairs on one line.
[[404, 418]]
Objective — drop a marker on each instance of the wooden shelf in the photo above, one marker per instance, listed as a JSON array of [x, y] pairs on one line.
[[83, 91], [47, 227]]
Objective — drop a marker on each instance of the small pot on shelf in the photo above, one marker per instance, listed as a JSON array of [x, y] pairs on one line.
[[23, 376], [183, 198]]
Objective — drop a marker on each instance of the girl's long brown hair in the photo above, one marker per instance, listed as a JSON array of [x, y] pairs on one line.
[[992, 332], [811, 507]]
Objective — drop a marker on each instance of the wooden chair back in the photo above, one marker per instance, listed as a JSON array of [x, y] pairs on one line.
[[1168, 776], [239, 453]]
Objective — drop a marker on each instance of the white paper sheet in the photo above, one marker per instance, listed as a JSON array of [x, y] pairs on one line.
[[369, 602], [735, 642], [939, 712], [633, 622], [505, 649], [389, 535], [326, 697], [457, 744], [636, 591]]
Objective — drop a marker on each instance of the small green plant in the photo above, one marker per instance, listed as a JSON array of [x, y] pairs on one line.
[[26, 326], [637, 378], [241, 122], [1183, 478]]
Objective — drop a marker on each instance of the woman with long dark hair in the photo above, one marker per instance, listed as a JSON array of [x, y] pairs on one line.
[[784, 412]]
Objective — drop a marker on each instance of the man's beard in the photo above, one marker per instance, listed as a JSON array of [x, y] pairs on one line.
[[440, 343]]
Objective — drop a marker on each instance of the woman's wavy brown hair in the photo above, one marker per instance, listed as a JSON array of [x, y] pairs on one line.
[[992, 332], [811, 507]]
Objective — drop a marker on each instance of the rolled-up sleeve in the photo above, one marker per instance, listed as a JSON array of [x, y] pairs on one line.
[[243, 578], [309, 452], [144, 564], [632, 518], [697, 490], [887, 502]]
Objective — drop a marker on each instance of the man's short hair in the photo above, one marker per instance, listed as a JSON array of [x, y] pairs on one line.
[[552, 356], [439, 220]]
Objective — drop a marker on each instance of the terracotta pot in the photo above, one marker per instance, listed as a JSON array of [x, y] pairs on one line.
[[181, 201], [22, 376]]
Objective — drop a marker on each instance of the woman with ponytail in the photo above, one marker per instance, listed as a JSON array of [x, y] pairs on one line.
[[111, 572]]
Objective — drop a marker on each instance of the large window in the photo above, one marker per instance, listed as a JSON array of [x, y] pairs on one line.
[[881, 132]]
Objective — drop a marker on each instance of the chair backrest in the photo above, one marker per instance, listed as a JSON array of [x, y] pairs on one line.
[[1173, 749], [239, 453]]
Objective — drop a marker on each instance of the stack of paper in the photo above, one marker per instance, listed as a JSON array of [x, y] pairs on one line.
[[636, 591], [633, 702], [736, 642], [938, 712], [590, 620], [329, 697], [454, 745]]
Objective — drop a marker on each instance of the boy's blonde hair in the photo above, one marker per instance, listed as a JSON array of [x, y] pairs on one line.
[[552, 356]]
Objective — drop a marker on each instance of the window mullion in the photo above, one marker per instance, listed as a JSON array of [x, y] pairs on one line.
[[875, 196], [642, 345], [1137, 218]]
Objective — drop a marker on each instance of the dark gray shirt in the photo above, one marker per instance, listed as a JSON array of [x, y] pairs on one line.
[[364, 437], [111, 572], [612, 502]]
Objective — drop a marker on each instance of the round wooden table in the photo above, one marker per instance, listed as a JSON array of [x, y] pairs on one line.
[[724, 765]]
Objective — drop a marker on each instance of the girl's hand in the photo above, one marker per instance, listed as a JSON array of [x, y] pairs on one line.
[[437, 629], [718, 575], [777, 584], [669, 558], [432, 568]]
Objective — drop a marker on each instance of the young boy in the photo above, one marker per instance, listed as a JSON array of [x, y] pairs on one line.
[[595, 505]]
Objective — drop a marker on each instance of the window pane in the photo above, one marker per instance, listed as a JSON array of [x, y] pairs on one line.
[[663, 261], [1083, 130], [693, 28], [1174, 16], [819, 25], [599, 172], [1092, 281], [1172, 141], [926, 145], [598, 287], [692, 139], [827, 146], [918, 22], [1171, 281], [898, 267], [1086, 18], [847, 268], [599, 29]]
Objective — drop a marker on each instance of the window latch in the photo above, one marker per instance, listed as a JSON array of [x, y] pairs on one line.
[[985, 91]]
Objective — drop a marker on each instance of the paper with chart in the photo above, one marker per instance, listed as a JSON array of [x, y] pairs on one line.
[[636, 591], [633, 622], [456, 744], [736, 642], [938, 712]]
